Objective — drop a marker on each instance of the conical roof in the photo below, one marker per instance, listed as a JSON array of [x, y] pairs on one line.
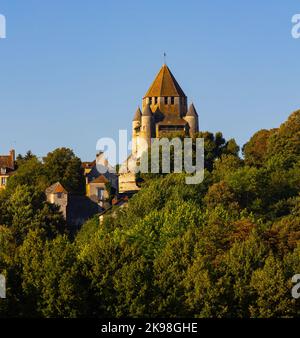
[[164, 85], [137, 115], [192, 111], [147, 111]]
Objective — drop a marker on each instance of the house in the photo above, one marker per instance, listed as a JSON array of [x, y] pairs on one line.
[[7, 168], [98, 180], [57, 194], [75, 209], [97, 191]]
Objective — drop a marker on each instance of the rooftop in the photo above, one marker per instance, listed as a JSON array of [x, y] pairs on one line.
[[164, 85], [100, 179], [8, 161], [56, 188]]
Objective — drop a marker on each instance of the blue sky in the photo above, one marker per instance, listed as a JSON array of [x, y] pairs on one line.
[[72, 72]]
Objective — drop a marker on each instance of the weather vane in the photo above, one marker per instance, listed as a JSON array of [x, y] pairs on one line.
[[165, 58]]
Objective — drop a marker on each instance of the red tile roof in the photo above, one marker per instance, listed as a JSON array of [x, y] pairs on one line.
[[56, 188], [6, 162], [100, 179]]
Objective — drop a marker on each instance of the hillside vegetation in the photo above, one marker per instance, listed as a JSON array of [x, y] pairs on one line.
[[225, 248]]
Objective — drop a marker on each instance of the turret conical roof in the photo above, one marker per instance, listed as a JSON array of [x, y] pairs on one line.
[[137, 115], [192, 111], [147, 111]]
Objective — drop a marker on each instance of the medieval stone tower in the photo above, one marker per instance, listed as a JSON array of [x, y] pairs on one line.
[[164, 111]]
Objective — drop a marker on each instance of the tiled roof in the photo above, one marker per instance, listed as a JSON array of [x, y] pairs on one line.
[[137, 115], [169, 121], [164, 85], [100, 179], [6, 162], [147, 111], [192, 111], [56, 188]]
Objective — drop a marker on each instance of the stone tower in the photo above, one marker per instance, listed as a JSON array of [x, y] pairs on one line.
[[192, 119], [164, 112], [136, 126]]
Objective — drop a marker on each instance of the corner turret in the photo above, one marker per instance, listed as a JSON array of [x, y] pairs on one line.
[[192, 119]]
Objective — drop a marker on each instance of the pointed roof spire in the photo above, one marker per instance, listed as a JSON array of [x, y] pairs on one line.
[[147, 111], [137, 115], [164, 85], [192, 111]]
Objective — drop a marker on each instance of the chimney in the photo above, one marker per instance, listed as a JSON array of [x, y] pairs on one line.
[[12, 154]]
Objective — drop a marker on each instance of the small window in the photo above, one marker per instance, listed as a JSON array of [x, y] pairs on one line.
[[59, 195], [100, 193], [155, 100], [166, 100], [150, 100], [172, 100], [3, 180], [3, 171]]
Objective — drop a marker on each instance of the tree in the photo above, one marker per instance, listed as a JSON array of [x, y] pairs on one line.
[[26, 211], [221, 194], [225, 248], [225, 166], [21, 210], [232, 148], [8, 306], [63, 166], [273, 291], [30, 173], [256, 150], [285, 142], [63, 291]]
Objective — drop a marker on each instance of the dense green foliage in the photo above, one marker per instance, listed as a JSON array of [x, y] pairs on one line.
[[225, 248]]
